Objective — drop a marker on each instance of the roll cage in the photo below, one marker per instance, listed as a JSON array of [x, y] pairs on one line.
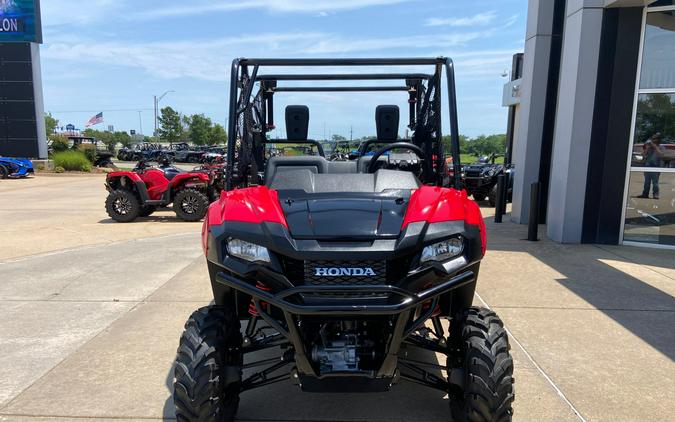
[[251, 114]]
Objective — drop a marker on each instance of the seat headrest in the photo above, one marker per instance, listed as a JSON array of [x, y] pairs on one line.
[[387, 119], [297, 122]]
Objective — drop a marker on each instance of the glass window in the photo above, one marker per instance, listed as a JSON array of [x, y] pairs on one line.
[[655, 118], [658, 57], [650, 211], [660, 3]]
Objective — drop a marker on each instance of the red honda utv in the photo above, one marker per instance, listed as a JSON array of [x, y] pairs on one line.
[[138, 193], [342, 269]]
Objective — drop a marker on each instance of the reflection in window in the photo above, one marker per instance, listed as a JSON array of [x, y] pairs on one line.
[[651, 220], [658, 59], [655, 115], [660, 3]]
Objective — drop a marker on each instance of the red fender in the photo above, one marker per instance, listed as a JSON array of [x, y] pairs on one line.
[[435, 205], [251, 205], [181, 178], [153, 181], [119, 174]]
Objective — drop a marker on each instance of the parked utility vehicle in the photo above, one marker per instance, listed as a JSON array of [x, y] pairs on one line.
[[480, 179], [139, 192], [342, 268]]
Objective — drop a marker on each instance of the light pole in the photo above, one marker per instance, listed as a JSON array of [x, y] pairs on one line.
[[157, 100], [140, 122]]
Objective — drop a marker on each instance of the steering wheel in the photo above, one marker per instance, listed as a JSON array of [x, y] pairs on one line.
[[399, 145]]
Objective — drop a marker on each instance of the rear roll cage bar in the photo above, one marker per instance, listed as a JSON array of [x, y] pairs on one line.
[[240, 79]]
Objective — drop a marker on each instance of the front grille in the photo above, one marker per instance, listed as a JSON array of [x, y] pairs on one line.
[[345, 273], [301, 272], [473, 174]]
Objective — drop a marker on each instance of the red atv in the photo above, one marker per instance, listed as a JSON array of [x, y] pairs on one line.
[[139, 192]]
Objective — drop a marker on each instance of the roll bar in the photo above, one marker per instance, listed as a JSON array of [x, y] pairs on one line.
[[239, 73]]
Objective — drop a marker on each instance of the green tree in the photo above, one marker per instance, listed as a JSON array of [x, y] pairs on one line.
[[447, 144], [487, 145], [338, 138], [654, 114], [51, 123], [122, 138], [185, 128], [103, 136], [200, 129], [58, 143], [218, 135], [170, 125]]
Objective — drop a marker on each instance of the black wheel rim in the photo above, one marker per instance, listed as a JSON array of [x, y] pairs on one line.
[[190, 204], [122, 206]]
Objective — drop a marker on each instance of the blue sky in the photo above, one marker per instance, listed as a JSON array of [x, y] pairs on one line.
[[105, 55]]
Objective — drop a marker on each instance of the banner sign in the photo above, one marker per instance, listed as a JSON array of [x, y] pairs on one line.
[[20, 21]]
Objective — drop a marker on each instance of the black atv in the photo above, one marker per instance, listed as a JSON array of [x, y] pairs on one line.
[[480, 179], [145, 151], [341, 269], [185, 153]]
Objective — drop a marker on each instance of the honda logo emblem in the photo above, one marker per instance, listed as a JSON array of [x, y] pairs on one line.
[[338, 272]]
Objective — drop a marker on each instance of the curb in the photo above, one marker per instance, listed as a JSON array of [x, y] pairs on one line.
[[39, 174]]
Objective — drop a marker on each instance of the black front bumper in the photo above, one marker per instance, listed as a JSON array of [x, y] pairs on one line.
[[477, 182], [405, 285], [397, 299]]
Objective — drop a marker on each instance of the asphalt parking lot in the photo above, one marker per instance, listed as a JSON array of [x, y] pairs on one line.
[[91, 312]]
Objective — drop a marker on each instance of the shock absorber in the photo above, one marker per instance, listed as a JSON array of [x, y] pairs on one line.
[[251, 307], [426, 305], [253, 311]]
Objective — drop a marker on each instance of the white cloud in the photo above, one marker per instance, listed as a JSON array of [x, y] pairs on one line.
[[480, 19], [195, 58], [70, 12], [190, 59], [286, 6], [341, 45]]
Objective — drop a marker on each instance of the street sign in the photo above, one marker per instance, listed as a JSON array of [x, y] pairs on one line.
[[20, 21], [132, 132], [511, 95]]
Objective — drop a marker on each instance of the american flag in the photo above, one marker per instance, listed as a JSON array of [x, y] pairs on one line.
[[95, 120]]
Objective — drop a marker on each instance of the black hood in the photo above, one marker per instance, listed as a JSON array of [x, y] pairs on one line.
[[348, 216]]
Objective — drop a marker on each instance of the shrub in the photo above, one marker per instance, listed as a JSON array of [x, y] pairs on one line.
[[59, 169], [59, 143], [89, 151], [72, 161]]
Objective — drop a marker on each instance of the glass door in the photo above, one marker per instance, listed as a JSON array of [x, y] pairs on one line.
[[649, 213]]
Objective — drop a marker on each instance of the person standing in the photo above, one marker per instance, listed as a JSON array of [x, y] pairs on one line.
[[653, 154]]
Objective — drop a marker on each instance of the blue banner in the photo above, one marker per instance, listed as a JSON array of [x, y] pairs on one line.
[[20, 21]]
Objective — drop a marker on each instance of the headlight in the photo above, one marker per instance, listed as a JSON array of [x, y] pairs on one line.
[[247, 251], [443, 251]]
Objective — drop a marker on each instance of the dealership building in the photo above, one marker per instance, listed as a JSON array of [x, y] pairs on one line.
[[22, 125], [597, 85]]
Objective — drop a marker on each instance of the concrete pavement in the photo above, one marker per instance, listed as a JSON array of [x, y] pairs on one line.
[[89, 321], [52, 213]]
